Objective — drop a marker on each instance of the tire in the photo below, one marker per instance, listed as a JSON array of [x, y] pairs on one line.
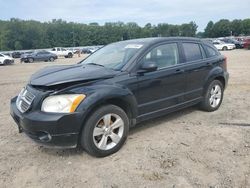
[[224, 48], [102, 144], [31, 60], [51, 59], [70, 55], [213, 96]]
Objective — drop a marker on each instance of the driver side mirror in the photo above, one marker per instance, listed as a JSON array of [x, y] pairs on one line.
[[148, 66]]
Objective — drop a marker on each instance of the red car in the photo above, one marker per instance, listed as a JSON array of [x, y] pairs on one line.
[[247, 43]]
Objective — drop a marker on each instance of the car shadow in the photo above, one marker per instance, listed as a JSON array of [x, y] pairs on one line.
[[134, 130]]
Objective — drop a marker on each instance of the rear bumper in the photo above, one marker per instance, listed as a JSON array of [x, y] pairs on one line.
[[52, 130]]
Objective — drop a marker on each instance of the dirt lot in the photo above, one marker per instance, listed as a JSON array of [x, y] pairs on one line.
[[189, 148]]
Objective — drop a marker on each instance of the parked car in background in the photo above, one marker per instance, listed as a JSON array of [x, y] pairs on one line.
[[237, 44], [62, 52], [5, 59], [220, 45], [16, 54], [74, 50], [7, 54], [247, 43], [94, 103], [86, 51], [38, 56]]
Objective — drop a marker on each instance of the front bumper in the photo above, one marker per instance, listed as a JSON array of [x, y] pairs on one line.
[[49, 129]]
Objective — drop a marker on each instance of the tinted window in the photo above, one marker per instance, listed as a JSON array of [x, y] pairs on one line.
[[192, 51], [164, 55], [210, 51]]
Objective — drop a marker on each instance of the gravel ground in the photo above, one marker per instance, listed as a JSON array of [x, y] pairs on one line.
[[189, 148]]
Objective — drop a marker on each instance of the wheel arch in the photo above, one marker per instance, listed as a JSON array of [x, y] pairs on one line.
[[117, 101], [215, 74], [104, 95]]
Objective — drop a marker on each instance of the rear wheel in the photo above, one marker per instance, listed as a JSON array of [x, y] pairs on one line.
[[31, 60], [105, 131], [70, 55], [51, 59], [213, 96], [224, 48]]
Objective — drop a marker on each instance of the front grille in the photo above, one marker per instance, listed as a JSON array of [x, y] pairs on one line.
[[24, 100]]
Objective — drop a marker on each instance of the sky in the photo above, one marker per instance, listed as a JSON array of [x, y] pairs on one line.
[[139, 11]]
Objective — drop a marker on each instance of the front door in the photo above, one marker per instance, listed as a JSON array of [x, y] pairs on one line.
[[164, 88]]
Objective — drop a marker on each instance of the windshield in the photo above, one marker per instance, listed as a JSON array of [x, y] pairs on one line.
[[113, 56]]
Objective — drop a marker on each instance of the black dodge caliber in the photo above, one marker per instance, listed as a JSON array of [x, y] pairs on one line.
[[94, 103]]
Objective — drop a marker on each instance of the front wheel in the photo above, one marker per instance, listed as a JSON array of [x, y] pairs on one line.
[[105, 131], [213, 96]]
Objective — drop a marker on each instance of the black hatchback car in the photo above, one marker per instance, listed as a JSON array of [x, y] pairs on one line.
[[38, 56], [95, 102]]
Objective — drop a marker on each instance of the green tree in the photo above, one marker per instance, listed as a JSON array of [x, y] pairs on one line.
[[208, 32]]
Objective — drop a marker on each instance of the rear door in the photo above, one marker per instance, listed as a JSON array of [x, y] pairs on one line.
[[197, 69], [40, 56]]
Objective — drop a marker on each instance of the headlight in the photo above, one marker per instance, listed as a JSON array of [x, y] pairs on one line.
[[62, 103]]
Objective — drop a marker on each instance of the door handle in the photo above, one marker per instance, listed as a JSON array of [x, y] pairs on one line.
[[179, 71], [209, 64]]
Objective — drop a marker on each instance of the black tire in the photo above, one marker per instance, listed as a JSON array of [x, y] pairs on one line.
[[205, 104], [5, 62], [70, 55], [31, 60], [51, 59], [87, 139], [224, 48]]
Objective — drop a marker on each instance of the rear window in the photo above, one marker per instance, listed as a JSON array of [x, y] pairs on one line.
[[192, 51], [210, 51]]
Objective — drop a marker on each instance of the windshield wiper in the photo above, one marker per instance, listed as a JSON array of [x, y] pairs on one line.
[[95, 64]]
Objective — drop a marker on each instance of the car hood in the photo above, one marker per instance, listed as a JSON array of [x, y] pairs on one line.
[[55, 75]]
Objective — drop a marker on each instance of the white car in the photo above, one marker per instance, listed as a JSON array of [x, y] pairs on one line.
[[62, 52], [4, 59], [220, 45]]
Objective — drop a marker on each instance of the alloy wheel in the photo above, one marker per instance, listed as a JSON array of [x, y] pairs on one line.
[[215, 96], [108, 131]]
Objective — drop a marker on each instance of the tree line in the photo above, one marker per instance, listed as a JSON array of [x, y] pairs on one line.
[[16, 34], [224, 28]]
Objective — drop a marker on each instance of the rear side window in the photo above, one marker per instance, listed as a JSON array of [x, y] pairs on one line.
[[192, 51], [210, 51]]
